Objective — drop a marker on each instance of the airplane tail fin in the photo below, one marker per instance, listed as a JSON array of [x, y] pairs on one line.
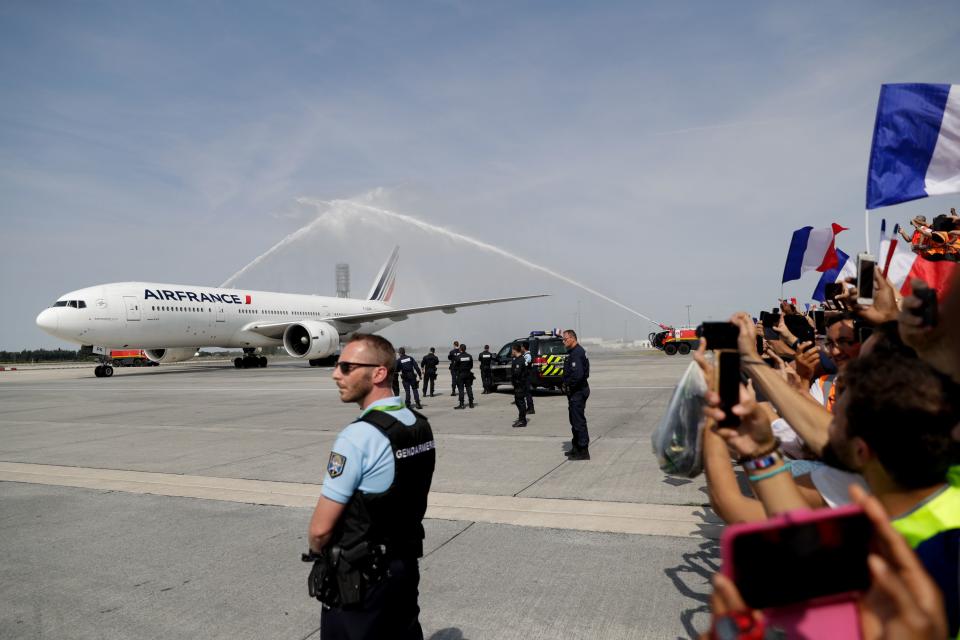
[[382, 289]]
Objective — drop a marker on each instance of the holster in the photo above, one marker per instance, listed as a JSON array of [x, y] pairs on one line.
[[340, 578]]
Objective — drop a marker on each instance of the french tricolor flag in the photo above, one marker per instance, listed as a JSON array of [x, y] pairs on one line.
[[846, 268], [900, 265], [916, 144], [811, 250]]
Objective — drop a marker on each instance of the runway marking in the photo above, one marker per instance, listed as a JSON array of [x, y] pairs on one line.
[[579, 515], [225, 389]]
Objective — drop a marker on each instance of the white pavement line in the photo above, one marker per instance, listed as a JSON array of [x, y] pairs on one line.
[[54, 389], [580, 515]]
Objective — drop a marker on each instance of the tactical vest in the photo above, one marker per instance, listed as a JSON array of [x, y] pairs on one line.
[[394, 518]]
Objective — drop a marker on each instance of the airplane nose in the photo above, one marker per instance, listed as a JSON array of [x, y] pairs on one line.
[[48, 320]]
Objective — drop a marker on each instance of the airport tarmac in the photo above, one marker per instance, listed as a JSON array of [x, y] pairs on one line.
[[173, 501]]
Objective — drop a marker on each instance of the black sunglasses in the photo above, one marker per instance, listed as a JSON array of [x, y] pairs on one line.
[[347, 367]]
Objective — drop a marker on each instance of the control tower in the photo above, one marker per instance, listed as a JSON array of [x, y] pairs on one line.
[[343, 280]]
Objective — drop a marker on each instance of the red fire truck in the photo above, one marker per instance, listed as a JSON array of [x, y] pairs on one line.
[[130, 358], [681, 340]]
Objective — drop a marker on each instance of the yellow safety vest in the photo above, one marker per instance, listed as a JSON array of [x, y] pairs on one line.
[[939, 513]]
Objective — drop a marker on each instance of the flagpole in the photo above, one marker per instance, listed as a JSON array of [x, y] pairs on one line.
[[866, 230]]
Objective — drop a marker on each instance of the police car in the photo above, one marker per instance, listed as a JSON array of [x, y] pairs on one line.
[[548, 355]]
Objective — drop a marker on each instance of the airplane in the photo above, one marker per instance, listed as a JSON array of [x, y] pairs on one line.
[[171, 322]]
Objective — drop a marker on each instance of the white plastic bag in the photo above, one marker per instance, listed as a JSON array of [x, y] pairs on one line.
[[678, 439]]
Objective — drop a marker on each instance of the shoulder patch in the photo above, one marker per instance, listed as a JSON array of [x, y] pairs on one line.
[[336, 464]]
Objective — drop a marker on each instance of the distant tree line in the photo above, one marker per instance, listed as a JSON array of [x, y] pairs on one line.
[[45, 355]]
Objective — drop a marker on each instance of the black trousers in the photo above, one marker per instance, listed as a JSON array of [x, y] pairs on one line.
[[390, 609], [528, 393], [577, 405], [463, 385], [411, 382], [396, 385], [429, 378], [453, 380], [518, 400], [486, 377]]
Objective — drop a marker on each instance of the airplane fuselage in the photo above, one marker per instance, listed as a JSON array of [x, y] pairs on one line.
[[154, 315]]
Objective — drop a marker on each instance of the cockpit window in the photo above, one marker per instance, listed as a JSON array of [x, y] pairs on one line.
[[72, 303], [76, 304], [60, 303], [81, 304]]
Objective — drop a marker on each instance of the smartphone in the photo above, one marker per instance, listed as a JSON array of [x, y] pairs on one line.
[[826, 551], [865, 267], [862, 330], [770, 319], [927, 311], [728, 386], [799, 327], [721, 335], [832, 289], [759, 344], [820, 322]]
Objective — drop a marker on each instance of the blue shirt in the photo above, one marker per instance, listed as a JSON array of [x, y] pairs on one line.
[[361, 457]]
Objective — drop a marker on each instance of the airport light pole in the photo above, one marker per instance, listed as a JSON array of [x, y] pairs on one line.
[[688, 314]]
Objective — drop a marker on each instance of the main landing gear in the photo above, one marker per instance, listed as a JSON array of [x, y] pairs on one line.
[[250, 360], [103, 371]]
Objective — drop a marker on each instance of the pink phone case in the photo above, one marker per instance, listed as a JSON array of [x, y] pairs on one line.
[[835, 616]]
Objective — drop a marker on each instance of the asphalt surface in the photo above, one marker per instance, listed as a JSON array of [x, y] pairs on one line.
[[172, 502]]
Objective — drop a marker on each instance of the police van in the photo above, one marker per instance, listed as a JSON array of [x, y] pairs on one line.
[[548, 355]]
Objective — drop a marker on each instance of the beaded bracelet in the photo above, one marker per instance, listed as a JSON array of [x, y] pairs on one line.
[[763, 462], [770, 474]]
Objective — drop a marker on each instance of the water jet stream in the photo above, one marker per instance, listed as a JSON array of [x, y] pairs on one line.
[[344, 206]]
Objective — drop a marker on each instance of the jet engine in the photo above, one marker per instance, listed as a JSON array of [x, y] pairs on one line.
[[311, 339], [166, 356]]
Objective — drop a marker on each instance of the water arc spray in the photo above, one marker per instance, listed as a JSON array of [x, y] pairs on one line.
[[345, 206]]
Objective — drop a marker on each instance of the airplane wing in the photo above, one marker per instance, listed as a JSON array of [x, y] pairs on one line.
[[275, 329], [403, 314]]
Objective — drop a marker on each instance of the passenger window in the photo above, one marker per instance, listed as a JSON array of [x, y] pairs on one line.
[[504, 354]]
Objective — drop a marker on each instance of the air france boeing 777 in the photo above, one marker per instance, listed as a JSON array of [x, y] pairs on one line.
[[170, 322]]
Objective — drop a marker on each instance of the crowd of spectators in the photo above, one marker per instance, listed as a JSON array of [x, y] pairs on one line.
[[939, 240], [863, 409]]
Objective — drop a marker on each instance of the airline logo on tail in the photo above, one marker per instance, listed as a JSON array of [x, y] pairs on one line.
[[383, 286]]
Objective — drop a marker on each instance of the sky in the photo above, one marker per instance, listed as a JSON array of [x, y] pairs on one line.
[[660, 153]]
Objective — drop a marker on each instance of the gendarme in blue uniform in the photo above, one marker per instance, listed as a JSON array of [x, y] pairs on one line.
[[380, 468], [576, 371]]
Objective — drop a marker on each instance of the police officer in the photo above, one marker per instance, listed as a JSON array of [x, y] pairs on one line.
[[486, 373], [366, 533], [464, 375], [528, 384], [410, 374], [576, 371], [518, 376], [429, 364], [452, 357]]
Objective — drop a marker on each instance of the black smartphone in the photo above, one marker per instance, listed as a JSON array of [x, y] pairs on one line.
[[759, 344], [820, 320], [832, 290], [826, 550], [799, 327], [770, 319], [927, 311], [728, 386], [862, 330], [721, 335], [865, 268]]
